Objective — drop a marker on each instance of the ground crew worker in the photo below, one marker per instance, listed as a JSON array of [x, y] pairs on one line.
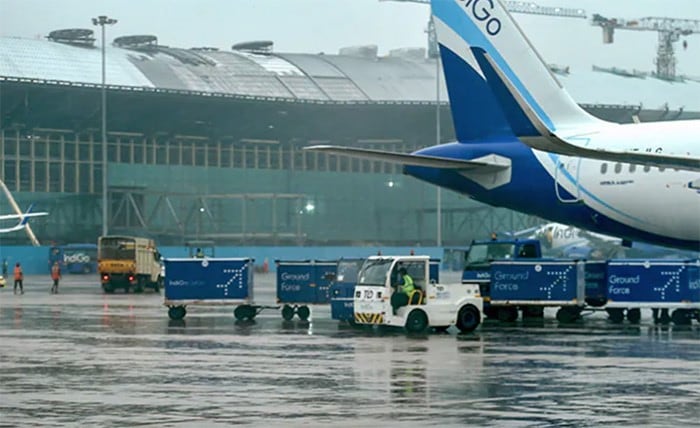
[[19, 277], [404, 290], [4, 268], [407, 286], [199, 254], [56, 276]]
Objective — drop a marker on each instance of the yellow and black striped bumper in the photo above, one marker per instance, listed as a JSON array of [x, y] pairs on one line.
[[362, 318]]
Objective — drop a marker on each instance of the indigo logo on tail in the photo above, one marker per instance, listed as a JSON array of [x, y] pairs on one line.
[[483, 14]]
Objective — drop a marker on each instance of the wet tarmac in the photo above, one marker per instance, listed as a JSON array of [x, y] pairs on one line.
[[82, 358]]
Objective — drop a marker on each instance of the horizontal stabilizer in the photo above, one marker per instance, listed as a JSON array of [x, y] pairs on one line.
[[492, 164]]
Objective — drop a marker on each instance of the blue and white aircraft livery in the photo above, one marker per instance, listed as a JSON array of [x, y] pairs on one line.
[[524, 144]]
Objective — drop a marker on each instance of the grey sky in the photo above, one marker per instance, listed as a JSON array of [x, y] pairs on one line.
[[327, 25]]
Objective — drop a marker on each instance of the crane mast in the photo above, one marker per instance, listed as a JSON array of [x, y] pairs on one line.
[[670, 31]]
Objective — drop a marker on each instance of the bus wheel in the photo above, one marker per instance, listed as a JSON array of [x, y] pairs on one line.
[[417, 321], [468, 318]]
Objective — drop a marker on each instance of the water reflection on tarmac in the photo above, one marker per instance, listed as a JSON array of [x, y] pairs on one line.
[[82, 358]]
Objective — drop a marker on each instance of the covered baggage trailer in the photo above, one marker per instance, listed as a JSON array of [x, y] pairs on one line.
[[537, 283], [301, 283], [207, 281], [628, 285], [342, 289]]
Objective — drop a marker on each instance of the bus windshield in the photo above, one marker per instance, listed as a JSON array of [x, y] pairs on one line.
[[374, 272], [117, 249], [483, 253]]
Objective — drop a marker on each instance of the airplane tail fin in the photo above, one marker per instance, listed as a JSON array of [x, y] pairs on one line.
[[475, 111], [529, 95]]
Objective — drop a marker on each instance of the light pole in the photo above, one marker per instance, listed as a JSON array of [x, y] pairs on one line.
[[438, 211], [199, 221], [103, 20]]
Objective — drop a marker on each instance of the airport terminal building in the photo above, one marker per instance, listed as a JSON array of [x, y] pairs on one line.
[[207, 144]]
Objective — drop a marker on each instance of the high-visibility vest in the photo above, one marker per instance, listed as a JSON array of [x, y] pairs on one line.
[[55, 272], [18, 272], [407, 286]]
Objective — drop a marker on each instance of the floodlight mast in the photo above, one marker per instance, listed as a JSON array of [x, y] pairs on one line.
[[103, 21]]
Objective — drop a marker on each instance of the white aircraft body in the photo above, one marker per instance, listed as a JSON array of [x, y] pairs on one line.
[[23, 219], [561, 240], [524, 144]]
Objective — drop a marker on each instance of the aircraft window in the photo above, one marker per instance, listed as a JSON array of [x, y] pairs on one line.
[[646, 168], [603, 168], [618, 168], [633, 167]]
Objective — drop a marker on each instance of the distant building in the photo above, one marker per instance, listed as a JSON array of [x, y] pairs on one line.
[[206, 144]]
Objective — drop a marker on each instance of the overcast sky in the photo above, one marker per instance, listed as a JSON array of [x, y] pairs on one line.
[[326, 25]]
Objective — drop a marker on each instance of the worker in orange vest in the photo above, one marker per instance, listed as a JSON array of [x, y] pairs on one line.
[[19, 277], [55, 275]]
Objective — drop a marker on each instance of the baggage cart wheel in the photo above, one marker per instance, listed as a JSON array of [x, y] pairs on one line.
[[567, 314], [634, 315], [615, 315], [417, 321], [681, 317], [533, 311], [303, 313], [507, 314], [287, 313], [244, 312], [250, 312], [468, 318], [491, 312], [177, 312]]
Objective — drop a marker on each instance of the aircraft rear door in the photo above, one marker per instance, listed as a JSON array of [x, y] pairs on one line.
[[567, 171]]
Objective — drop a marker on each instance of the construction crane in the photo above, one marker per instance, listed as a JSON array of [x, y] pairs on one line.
[[513, 6], [670, 30]]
